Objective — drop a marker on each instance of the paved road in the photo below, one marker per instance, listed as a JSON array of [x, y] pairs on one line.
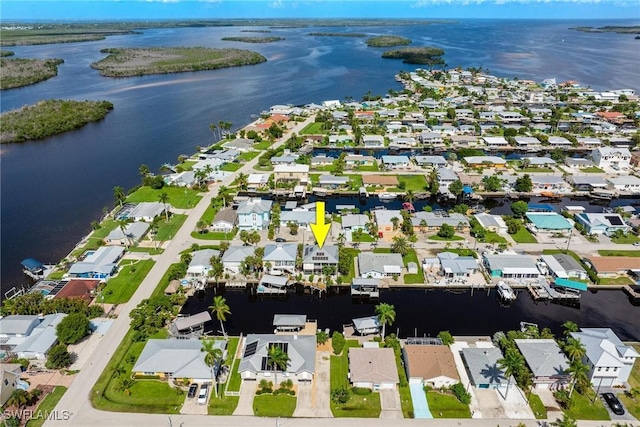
[[75, 400]]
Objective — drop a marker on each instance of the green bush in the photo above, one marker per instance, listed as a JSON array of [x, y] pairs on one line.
[[460, 393], [72, 328], [361, 391], [337, 342]]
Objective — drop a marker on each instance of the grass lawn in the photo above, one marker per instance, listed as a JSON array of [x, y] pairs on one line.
[[313, 129], [592, 169], [609, 252], [403, 390], [167, 230], [535, 170], [584, 409], [411, 279], [46, 406], [633, 405], [617, 281], [444, 239], [493, 237], [351, 253], [537, 407], [413, 182], [263, 145], [224, 405], [187, 165], [231, 167], [523, 236], [355, 182], [626, 239], [119, 289], [362, 238], [97, 236], [212, 235], [444, 405], [235, 380], [371, 168], [245, 157], [181, 198], [269, 405], [150, 251]]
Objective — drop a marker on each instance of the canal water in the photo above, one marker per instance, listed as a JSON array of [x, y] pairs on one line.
[[425, 312]]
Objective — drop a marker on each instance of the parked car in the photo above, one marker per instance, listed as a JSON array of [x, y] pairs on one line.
[[281, 240], [613, 403], [636, 244], [193, 388], [202, 396]]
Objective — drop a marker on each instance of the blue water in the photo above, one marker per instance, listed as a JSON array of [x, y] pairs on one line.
[[420, 403], [51, 190]]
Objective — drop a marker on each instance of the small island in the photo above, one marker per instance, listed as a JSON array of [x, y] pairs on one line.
[[329, 34], [18, 72], [4, 53], [143, 61], [431, 56], [252, 39], [634, 29], [387, 41], [255, 31], [50, 117]]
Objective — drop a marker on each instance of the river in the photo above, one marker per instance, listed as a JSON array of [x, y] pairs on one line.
[[51, 190]]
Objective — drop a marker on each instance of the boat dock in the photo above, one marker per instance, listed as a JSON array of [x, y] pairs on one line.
[[632, 293], [543, 291]]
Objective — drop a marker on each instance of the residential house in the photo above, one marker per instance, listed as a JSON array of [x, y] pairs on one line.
[[314, 259], [559, 142], [402, 142], [177, 359], [589, 142], [465, 140], [257, 181], [549, 222], [445, 178], [355, 160], [322, 160], [380, 180], [133, 233], [454, 265], [182, 179], [601, 223], [243, 145], [79, 288], [385, 220], [373, 141], [332, 181], [301, 217], [538, 162], [431, 161], [374, 265], [483, 368], [610, 361], [281, 257], [546, 361], [430, 365], [612, 266], [254, 214], [429, 138], [10, 381], [493, 223], [564, 266], [29, 336], [625, 183], [495, 141], [289, 322], [526, 142], [511, 116], [485, 162], [373, 368], [301, 349], [577, 163], [588, 182], [291, 173], [224, 221], [287, 159], [234, 255], [434, 220], [355, 222], [548, 183], [189, 326], [147, 211], [200, 264], [611, 158], [340, 139], [510, 266], [99, 264], [396, 162]]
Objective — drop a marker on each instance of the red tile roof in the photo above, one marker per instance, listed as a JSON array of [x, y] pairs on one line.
[[78, 288]]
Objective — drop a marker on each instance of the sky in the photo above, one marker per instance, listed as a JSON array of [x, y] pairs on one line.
[[221, 9]]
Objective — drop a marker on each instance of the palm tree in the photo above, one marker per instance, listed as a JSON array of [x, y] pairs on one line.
[[409, 196], [400, 245], [18, 398], [566, 421], [223, 193], [580, 373], [221, 309], [395, 220], [278, 359], [341, 239], [213, 128], [200, 176], [217, 269], [122, 224], [574, 349], [208, 169], [119, 195], [164, 199], [511, 363], [212, 359], [144, 170], [386, 315], [243, 180], [569, 327]]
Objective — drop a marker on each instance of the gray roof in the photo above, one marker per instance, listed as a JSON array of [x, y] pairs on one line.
[[147, 210], [332, 179], [370, 262], [354, 220], [603, 346], [277, 281], [184, 323], [18, 324], [595, 180], [434, 220], [547, 179], [395, 159], [301, 217], [300, 348], [568, 262], [182, 358], [361, 281], [489, 220], [313, 253], [482, 366], [134, 230], [570, 161], [258, 206], [42, 337], [103, 260], [383, 216], [445, 174], [366, 323], [543, 356], [203, 257], [456, 264], [280, 252], [226, 215], [508, 262], [538, 161], [433, 160], [237, 253], [289, 320]]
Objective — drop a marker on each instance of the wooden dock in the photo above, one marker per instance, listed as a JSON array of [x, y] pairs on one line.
[[631, 293]]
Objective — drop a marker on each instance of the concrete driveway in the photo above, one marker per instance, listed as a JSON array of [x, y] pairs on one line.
[[489, 403], [313, 398], [245, 403], [390, 404], [624, 417]]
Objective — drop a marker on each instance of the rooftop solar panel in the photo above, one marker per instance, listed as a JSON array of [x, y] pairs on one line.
[[251, 349], [614, 220]]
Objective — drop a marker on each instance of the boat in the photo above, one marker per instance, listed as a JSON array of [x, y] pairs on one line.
[[363, 192], [505, 292], [603, 194], [550, 194], [387, 196]]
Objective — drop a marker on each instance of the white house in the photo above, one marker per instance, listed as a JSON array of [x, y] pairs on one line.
[[254, 214], [609, 360], [29, 336], [626, 183], [200, 264], [396, 162], [281, 257], [611, 157], [132, 233], [377, 266], [147, 211], [601, 223], [546, 361], [373, 140], [511, 266], [234, 255], [224, 221], [493, 223]]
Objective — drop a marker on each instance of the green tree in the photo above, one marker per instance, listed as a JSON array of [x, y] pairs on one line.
[[512, 363], [580, 376], [446, 337], [492, 183], [574, 348], [164, 199], [322, 337], [523, 184], [18, 399], [568, 327], [119, 195], [58, 357], [242, 180], [395, 221], [433, 183], [519, 208], [221, 310], [201, 226], [456, 187], [217, 268], [337, 342], [293, 227], [278, 359], [386, 315], [72, 328], [400, 245], [446, 231], [212, 359], [566, 421]]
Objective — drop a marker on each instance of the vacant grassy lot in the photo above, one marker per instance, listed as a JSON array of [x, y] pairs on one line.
[[47, 405], [410, 279], [626, 239], [269, 405], [231, 167], [444, 405], [167, 230], [181, 198], [120, 288], [313, 129], [250, 155], [523, 236], [615, 281], [412, 182]]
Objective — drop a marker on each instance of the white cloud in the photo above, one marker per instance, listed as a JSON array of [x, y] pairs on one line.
[[426, 3]]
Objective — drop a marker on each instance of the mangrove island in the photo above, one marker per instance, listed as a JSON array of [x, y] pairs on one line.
[[18, 72], [252, 39], [417, 55], [387, 41]]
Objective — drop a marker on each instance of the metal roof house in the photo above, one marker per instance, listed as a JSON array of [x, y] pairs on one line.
[[147, 211], [191, 325], [314, 259], [510, 266], [372, 265], [483, 368], [367, 325], [254, 214], [289, 322], [200, 264], [100, 264], [132, 233], [234, 255], [546, 361], [40, 338], [281, 256], [454, 265], [301, 350], [564, 266], [548, 222], [601, 223]]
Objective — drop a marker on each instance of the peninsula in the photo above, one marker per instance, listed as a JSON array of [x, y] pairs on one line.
[[138, 61], [18, 72], [634, 29], [50, 117], [252, 39]]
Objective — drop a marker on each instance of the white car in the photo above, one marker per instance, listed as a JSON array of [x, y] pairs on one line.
[[202, 396]]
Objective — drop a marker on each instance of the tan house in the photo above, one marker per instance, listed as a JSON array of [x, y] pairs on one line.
[[431, 365], [608, 266], [373, 368], [291, 173], [380, 180]]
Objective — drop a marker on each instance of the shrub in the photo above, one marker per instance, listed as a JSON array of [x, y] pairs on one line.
[[322, 337], [340, 395], [460, 393], [446, 337], [72, 328], [337, 342], [58, 357], [361, 391]]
